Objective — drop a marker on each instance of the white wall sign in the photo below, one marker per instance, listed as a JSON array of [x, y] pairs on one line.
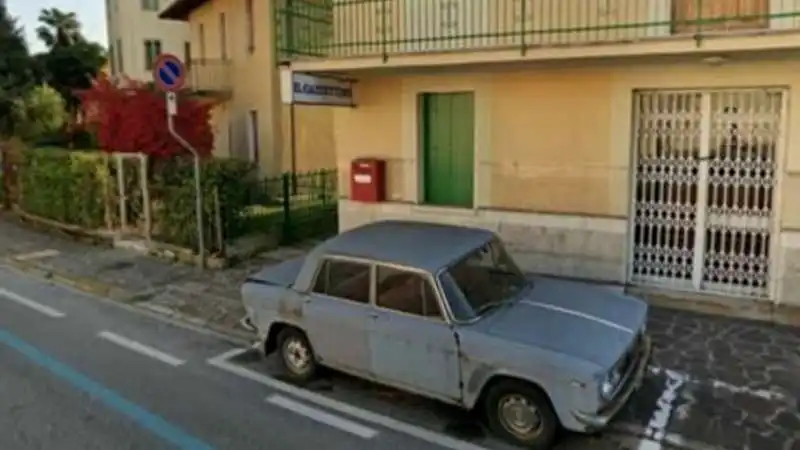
[[305, 89]]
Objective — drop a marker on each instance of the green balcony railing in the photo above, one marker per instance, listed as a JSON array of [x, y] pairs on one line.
[[353, 28]]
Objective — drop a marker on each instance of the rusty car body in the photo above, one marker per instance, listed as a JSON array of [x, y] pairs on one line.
[[444, 312]]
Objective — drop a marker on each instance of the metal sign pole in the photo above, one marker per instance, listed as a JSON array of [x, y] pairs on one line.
[[172, 111]]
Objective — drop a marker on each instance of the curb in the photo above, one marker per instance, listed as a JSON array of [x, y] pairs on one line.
[[79, 283], [119, 297]]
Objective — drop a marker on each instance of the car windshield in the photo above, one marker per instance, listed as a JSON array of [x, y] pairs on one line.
[[483, 280]]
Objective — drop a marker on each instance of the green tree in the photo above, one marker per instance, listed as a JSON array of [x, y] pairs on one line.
[[39, 113], [16, 70], [71, 62], [58, 28]]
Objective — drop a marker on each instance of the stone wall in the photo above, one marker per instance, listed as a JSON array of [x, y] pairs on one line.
[[789, 281]]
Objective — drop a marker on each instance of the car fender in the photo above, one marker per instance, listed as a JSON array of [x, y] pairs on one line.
[[269, 334]]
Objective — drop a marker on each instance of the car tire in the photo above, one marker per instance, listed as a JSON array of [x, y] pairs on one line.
[[521, 414], [296, 355]]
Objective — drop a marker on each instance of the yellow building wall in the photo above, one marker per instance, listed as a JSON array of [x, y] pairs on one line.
[[548, 140], [256, 86]]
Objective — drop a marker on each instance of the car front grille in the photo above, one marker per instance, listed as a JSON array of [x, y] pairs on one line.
[[628, 361]]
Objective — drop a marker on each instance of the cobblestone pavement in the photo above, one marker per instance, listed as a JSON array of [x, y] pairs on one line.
[[736, 383], [715, 382]]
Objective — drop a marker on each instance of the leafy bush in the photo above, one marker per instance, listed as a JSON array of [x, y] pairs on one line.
[[40, 113], [133, 119], [65, 186], [173, 190]]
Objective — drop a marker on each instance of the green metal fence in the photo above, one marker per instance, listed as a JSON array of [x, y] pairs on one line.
[[350, 28], [291, 207]]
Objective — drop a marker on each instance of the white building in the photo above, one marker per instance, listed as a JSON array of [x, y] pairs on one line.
[[136, 36]]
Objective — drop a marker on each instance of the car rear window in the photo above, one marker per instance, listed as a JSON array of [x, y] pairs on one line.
[[344, 279]]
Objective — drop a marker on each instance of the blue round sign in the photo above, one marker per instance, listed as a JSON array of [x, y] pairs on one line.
[[169, 72]]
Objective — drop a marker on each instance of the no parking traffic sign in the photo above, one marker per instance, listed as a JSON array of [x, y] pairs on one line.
[[169, 72]]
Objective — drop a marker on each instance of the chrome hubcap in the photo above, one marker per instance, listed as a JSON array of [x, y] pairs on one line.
[[297, 355], [519, 416]]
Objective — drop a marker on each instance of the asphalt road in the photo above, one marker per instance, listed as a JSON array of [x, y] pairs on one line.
[[79, 373]]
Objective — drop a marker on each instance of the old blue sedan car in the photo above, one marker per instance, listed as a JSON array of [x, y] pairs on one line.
[[444, 312]]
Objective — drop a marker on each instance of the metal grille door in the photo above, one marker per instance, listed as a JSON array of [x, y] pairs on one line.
[[704, 183]]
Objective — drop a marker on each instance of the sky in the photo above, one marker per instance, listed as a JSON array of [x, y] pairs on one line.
[[91, 14]]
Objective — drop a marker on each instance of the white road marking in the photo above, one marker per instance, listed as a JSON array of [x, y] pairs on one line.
[[142, 349], [221, 362], [763, 394], [649, 444], [323, 417], [36, 306], [671, 440], [37, 255], [657, 426]]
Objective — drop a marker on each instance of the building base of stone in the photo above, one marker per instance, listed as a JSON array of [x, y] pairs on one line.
[[569, 246], [579, 247]]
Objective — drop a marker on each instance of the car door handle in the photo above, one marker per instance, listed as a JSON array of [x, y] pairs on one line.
[[374, 315]]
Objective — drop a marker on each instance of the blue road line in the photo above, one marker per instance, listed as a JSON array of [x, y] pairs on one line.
[[141, 416]]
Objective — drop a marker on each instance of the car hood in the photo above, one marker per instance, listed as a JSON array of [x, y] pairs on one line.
[[593, 323]]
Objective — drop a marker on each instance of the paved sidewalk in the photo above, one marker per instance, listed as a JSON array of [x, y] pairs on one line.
[[205, 298], [745, 375]]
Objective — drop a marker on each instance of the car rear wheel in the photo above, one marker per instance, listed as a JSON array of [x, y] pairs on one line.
[[297, 356], [521, 414]]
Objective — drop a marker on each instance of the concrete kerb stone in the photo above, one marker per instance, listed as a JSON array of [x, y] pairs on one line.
[[77, 282]]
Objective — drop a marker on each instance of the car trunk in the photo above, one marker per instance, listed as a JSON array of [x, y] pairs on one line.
[[282, 274]]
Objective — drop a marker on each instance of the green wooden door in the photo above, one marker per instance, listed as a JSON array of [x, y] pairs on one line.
[[447, 126]]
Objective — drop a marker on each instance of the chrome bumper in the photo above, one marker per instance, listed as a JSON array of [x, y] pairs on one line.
[[601, 419]]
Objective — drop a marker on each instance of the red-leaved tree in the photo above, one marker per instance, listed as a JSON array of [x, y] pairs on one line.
[[132, 118]]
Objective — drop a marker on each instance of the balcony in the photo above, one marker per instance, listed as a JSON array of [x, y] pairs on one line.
[[209, 77], [383, 32]]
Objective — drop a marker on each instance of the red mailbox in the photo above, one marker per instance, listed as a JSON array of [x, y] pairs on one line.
[[367, 180]]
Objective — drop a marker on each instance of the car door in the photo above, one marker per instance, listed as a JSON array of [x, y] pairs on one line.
[[411, 343], [338, 312]]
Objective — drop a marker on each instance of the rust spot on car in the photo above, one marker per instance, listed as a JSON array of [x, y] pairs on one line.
[[290, 309]]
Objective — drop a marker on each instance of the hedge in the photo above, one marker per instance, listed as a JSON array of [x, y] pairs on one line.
[[65, 186], [172, 189]]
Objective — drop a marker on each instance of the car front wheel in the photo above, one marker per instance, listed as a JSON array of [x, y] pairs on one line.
[[521, 414], [297, 355]]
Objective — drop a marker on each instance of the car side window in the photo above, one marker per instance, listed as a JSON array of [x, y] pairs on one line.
[[407, 292], [343, 279]]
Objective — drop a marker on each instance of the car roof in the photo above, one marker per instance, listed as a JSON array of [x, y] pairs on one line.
[[422, 245]]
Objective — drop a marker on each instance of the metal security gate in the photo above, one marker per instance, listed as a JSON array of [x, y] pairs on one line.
[[703, 191]]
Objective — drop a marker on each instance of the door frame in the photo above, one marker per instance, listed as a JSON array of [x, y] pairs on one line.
[[411, 139], [775, 248]]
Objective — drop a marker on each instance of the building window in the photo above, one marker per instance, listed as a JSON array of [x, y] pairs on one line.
[[230, 139], [202, 38], [251, 31], [223, 36], [150, 5], [187, 52], [152, 48], [253, 135], [112, 59], [120, 65]]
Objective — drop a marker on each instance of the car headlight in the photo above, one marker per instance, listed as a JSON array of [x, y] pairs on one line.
[[606, 389], [609, 385]]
